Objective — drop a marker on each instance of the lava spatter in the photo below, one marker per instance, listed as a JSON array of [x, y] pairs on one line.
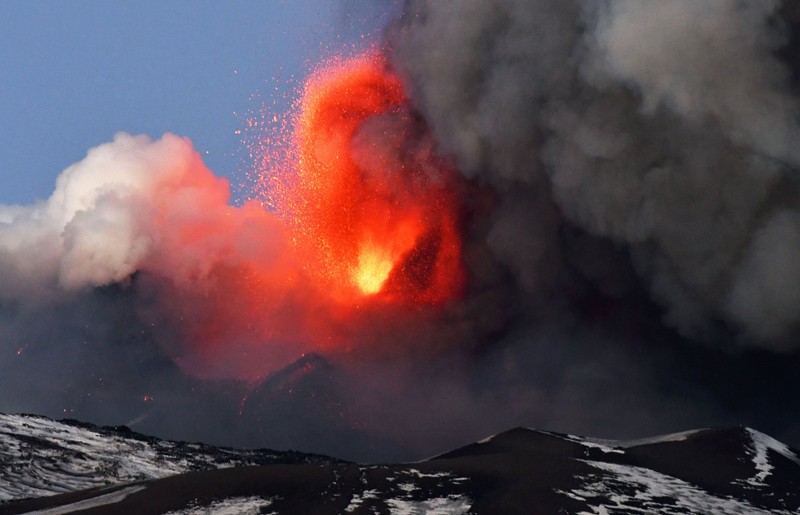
[[373, 210]]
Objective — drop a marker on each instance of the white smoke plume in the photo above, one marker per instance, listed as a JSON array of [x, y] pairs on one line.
[[97, 227]]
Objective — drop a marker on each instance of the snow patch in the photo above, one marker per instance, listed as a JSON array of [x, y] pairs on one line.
[[231, 506], [452, 505], [94, 502], [407, 487], [619, 446], [607, 446], [417, 473], [486, 440], [631, 489], [413, 492], [671, 437], [762, 443], [358, 499]]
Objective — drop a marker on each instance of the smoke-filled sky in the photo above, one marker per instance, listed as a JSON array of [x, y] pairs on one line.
[[381, 230]]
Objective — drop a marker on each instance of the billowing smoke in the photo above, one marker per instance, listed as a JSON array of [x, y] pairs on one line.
[[668, 128], [101, 224], [578, 215]]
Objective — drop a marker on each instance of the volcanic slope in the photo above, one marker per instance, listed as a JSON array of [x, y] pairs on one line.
[[728, 470], [40, 456]]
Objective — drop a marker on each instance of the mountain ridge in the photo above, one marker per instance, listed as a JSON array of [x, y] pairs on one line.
[[522, 470]]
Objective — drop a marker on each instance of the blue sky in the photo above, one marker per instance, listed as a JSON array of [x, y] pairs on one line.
[[75, 73]]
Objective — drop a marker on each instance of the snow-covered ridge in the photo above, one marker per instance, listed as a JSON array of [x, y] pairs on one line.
[[94, 502], [607, 445], [231, 506], [757, 447], [761, 444], [619, 446], [39, 457], [631, 489]]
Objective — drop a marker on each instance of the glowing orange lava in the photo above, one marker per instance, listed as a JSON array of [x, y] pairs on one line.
[[363, 222], [373, 210]]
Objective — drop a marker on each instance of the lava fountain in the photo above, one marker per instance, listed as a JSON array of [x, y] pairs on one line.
[[373, 210], [362, 222]]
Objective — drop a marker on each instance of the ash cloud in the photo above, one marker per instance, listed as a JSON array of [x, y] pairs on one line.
[[631, 238], [642, 163], [669, 128]]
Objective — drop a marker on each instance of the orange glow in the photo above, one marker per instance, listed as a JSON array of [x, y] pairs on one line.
[[362, 223], [371, 215], [373, 269]]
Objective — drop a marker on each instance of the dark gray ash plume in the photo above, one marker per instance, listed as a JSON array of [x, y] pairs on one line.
[[668, 128]]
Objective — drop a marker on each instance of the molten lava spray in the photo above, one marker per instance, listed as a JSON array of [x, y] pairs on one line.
[[372, 211], [362, 215]]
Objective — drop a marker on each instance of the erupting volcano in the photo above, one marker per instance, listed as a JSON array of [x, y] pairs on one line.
[[580, 215], [359, 215], [372, 211]]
